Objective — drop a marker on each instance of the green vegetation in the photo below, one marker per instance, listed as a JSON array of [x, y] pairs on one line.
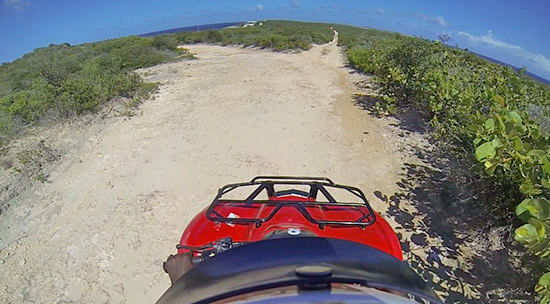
[[478, 109], [275, 35], [492, 116], [63, 80]]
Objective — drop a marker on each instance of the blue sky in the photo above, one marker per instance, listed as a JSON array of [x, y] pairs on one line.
[[513, 31]]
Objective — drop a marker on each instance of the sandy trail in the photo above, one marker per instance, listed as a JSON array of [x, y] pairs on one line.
[[99, 231]]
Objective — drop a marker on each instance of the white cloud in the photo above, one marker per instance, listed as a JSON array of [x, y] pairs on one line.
[[259, 7], [489, 40], [435, 20], [511, 49], [295, 4], [379, 11], [439, 20], [18, 5]]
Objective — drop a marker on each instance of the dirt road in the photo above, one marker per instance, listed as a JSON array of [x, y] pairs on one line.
[[116, 206]]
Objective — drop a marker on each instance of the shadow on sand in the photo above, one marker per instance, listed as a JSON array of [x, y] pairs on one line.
[[448, 229]]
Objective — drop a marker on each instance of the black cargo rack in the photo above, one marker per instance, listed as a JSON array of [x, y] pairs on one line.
[[316, 185]]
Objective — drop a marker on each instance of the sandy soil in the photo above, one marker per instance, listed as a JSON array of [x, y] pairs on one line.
[[116, 204]]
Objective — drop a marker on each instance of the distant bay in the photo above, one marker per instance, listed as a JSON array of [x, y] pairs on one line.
[[194, 28], [536, 77]]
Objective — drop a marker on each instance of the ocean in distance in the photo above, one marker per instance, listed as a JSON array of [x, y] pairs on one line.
[[219, 26], [194, 28]]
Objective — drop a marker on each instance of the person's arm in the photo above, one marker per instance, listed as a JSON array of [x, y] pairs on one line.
[[177, 264]]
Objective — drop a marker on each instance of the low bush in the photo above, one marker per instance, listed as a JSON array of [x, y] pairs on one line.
[[74, 80], [483, 111], [274, 35]]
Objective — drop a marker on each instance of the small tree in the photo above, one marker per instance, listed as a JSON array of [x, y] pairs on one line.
[[444, 38]]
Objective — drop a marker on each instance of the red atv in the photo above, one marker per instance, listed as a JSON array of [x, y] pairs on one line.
[[293, 239]]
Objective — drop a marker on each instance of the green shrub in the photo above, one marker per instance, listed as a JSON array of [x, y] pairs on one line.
[[73, 80], [470, 100], [275, 35]]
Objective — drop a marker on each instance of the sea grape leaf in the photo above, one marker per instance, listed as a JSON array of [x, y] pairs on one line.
[[491, 169], [528, 188], [539, 247], [518, 144], [539, 227], [545, 279], [522, 211], [514, 117], [526, 234], [485, 151], [500, 100], [477, 141], [545, 209], [536, 208], [538, 154], [546, 165], [475, 128], [490, 124]]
